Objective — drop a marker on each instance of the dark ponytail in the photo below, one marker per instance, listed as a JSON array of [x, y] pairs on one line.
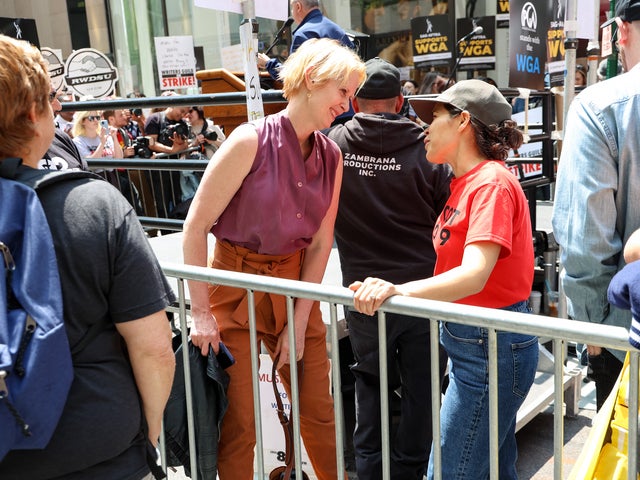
[[495, 141]]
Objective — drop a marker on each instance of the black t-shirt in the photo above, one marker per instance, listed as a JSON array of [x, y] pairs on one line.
[[62, 154], [157, 124], [109, 274]]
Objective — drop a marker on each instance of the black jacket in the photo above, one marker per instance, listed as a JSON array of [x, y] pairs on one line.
[[389, 200], [209, 385]]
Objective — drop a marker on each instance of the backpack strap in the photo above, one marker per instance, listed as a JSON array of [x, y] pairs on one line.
[[9, 167], [12, 168], [40, 179]]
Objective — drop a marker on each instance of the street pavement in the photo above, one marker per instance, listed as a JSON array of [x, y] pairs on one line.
[[535, 439]]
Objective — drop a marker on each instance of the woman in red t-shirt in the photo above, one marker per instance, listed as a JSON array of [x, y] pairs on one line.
[[484, 258]]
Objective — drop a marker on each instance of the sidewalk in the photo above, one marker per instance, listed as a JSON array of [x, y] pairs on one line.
[[535, 440]]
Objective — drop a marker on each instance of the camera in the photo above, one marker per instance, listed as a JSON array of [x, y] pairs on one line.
[[181, 129], [136, 111], [211, 136], [141, 147], [104, 124]]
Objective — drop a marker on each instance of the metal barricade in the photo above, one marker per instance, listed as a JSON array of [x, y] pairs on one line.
[[560, 330], [152, 185], [547, 161]]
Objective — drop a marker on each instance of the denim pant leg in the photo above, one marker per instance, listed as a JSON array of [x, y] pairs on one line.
[[465, 409]]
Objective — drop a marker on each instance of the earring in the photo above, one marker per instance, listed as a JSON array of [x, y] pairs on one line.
[[308, 95]]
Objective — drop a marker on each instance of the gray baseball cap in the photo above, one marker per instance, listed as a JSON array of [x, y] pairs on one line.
[[481, 99]]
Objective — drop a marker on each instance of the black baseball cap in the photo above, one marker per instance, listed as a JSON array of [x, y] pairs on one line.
[[383, 80], [627, 10]]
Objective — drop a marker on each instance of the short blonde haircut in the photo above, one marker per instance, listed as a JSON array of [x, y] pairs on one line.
[[78, 129], [330, 61], [24, 81]]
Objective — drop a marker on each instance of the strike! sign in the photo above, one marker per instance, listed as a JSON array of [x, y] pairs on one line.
[[176, 62]]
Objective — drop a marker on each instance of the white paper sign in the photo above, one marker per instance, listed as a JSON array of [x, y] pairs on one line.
[[588, 16], [272, 434], [232, 58], [274, 9], [176, 62], [529, 150], [255, 109]]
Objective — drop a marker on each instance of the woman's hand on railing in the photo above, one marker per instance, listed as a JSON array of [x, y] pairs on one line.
[[371, 293], [204, 332]]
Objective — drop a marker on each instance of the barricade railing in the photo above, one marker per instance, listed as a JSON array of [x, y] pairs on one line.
[[152, 187], [145, 190], [560, 330], [547, 160], [226, 98]]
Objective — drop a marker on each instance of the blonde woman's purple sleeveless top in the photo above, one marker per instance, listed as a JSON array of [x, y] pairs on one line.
[[284, 198]]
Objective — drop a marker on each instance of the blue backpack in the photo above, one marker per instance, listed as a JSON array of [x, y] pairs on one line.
[[36, 368]]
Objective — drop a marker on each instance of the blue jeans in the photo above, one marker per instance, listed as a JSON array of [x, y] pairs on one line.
[[464, 415]]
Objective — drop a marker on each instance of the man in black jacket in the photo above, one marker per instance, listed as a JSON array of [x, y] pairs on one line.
[[390, 199]]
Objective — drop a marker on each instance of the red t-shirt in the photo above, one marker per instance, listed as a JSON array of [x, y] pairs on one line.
[[488, 205]]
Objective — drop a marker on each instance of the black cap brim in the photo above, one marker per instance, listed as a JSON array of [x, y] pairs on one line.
[[608, 22]]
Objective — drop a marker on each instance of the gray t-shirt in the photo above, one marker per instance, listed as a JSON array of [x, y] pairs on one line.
[[109, 274]]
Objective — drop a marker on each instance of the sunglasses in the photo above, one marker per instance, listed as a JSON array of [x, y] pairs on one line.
[[92, 118], [52, 96]]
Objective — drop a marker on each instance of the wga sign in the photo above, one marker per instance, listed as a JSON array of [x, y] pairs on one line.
[[529, 22]]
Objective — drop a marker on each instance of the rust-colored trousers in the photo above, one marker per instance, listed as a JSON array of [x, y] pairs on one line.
[[229, 305]]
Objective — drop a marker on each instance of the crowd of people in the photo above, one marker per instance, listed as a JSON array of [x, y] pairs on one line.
[[173, 133], [448, 222]]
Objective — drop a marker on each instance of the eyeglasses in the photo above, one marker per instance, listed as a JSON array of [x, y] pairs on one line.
[[92, 118], [53, 96]]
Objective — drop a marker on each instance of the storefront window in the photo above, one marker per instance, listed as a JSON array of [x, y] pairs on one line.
[[383, 26]]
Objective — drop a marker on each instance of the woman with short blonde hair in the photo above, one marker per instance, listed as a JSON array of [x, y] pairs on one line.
[[329, 63], [270, 196]]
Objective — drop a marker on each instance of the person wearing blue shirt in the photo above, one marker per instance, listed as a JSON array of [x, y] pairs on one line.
[[311, 24], [597, 193]]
